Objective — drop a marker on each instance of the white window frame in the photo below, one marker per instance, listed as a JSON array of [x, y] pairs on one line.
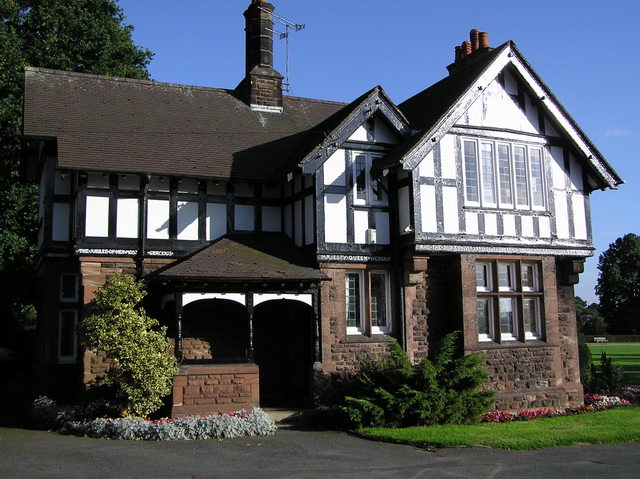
[[492, 289], [481, 187], [364, 302], [75, 297], [358, 328], [369, 194], [387, 303], [68, 358]]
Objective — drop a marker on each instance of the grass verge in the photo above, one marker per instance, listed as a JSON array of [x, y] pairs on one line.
[[626, 355], [612, 426]]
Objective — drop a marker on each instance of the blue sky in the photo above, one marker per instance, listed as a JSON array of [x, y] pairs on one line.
[[586, 52]]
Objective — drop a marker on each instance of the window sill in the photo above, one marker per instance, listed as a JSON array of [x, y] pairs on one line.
[[362, 338]]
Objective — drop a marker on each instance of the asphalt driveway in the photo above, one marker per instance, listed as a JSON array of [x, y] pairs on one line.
[[295, 453]]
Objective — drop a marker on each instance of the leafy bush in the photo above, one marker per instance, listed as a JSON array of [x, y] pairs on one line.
[[391, 392], [586, 362], [73, 420], [608, 378], [143, 370]]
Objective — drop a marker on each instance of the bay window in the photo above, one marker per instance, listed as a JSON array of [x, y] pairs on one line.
[[509, 300], [501, 173]]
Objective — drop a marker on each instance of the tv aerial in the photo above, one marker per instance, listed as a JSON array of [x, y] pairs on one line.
[[288, 25]]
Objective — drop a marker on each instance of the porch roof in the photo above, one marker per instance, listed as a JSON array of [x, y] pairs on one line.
[[244, 257]]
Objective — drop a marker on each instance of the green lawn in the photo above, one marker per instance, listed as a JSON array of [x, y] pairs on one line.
[[626, 355], [612, 426]]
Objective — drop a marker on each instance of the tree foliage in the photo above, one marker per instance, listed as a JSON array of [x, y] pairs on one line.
[[87, 36], [588, 317], [391, 392], [619, 285], [142, 368]]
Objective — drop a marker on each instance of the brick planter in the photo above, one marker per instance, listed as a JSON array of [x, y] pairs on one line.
[[203, 389]]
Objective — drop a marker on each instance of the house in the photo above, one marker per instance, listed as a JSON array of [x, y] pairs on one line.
[[284, 239]]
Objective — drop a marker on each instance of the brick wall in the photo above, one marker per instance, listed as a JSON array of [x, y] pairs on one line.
[[212, 388]]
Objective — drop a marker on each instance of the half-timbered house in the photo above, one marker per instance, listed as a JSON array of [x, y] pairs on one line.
[[284, 239]]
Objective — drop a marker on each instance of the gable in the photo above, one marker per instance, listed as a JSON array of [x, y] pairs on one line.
[[503, 105], [479, 96]]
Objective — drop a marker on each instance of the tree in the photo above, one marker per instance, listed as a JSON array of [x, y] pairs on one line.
[[79, 35], [619, 285], [142, 369], [589, 318]]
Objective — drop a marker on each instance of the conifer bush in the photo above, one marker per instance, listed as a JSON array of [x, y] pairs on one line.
[[142, 367], [391, 392]]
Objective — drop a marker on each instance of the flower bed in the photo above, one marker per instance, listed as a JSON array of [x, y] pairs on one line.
[[74, 420], [592, 403]]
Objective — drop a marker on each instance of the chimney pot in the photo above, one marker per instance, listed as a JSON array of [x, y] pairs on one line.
[[484, 40], [475, 39], [466, 49]]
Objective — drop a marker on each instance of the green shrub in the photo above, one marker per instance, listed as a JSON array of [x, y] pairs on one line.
[[391, 392], [142, 369], [608, 378], [586, 363]]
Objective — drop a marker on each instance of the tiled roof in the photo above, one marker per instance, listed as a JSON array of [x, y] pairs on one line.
[[138, 126], [245, 256]]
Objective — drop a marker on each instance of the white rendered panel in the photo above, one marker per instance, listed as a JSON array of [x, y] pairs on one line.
[[187, 220], [382, 133], [261, 298], [360, 226], [557, 167], [192, 297], [216, 187], [490, 224], [271, 218], [62, 183], [60, 226], [382, 227], [579, 216], [309, 236], [427, 167], [450, 207], [215, 221], [509, 225], [335, 218], [334, 169], [297, 208], [158, 219], [532, 112], [576, 174], [361, 134], [97, 180], [127, 218], [244, 217], [428, 208], [287, 220], [544, 226], [243, 189], [561, 214], [274, 192], [97, 217], [448, 157], [188, 185], [404, 216], [471, 223], [510, 84], [527, 226], [129, 182], [549, 129], [159, 183]]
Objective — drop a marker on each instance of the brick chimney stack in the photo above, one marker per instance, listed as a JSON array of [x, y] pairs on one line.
[[469, 51], [262, 85]]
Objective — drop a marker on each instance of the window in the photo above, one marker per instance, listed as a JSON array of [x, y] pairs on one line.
[[68, 287], [67, 343], [366, 190], [367, 303], [509, 306], [507, 172]]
